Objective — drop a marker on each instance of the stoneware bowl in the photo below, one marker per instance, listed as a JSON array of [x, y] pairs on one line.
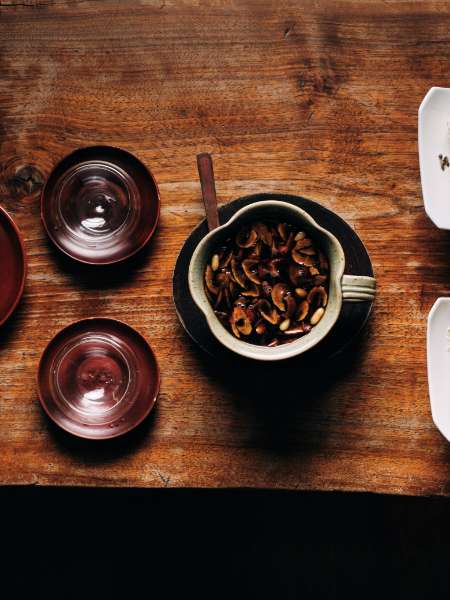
[[342, 288]]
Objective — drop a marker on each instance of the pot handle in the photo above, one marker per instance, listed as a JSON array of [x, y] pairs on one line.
[[358, 288]]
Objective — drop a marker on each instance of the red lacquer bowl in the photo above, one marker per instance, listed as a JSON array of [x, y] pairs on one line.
[[98, 378], [13, 266], [100, 205]]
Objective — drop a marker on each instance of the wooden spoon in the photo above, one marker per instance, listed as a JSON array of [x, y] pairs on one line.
[[206, 172]]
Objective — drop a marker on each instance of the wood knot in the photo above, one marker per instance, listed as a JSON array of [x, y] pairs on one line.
[[26, 181]]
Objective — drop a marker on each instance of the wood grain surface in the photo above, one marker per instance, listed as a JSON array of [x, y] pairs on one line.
[[311, 98]]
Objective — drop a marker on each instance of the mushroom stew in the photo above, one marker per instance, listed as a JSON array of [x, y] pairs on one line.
[[268, 284]]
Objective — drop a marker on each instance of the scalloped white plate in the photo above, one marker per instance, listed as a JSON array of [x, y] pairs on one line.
[[438, 359], [434, 139]]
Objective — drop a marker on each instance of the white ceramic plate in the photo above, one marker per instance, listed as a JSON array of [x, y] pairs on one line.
[[438, 357], [434, 140]]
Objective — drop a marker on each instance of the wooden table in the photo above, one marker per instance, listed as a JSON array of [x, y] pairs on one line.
[[312, 98]]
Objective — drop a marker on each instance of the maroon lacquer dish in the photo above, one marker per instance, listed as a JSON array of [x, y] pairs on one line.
[[98, 378], [100, 205], [13, 266]]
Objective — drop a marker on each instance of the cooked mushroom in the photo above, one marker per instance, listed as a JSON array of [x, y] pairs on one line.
[[241, 321], [226, 259], [282, 229], [267, 312], [274, 266], [246, 237], [279, 291], [301, 259], [303, 310], [268, 283], [250, 267], [260, 328], [301, 293], [209, 274], [252, 290], [303, 243], [317, 296]]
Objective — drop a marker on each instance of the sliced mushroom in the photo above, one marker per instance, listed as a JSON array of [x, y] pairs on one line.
[[226, 259], [300, 236], [234, 329], [260, 327], [302, 311], [303, 243], [241, 321], [318, 296], [268, 313], [301, 259], [301, 293], [251, 291], [246, 237], [283, 231], [238, 273], [279, 291], [250, 267], [209, 280], [274, 266]]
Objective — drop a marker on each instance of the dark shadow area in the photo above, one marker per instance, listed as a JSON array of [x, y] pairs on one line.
[[278, 400], [82, 543], [103, 451], [102, 276]]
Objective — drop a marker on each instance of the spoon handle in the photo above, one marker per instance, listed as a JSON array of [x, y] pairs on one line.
[[206, 172]]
